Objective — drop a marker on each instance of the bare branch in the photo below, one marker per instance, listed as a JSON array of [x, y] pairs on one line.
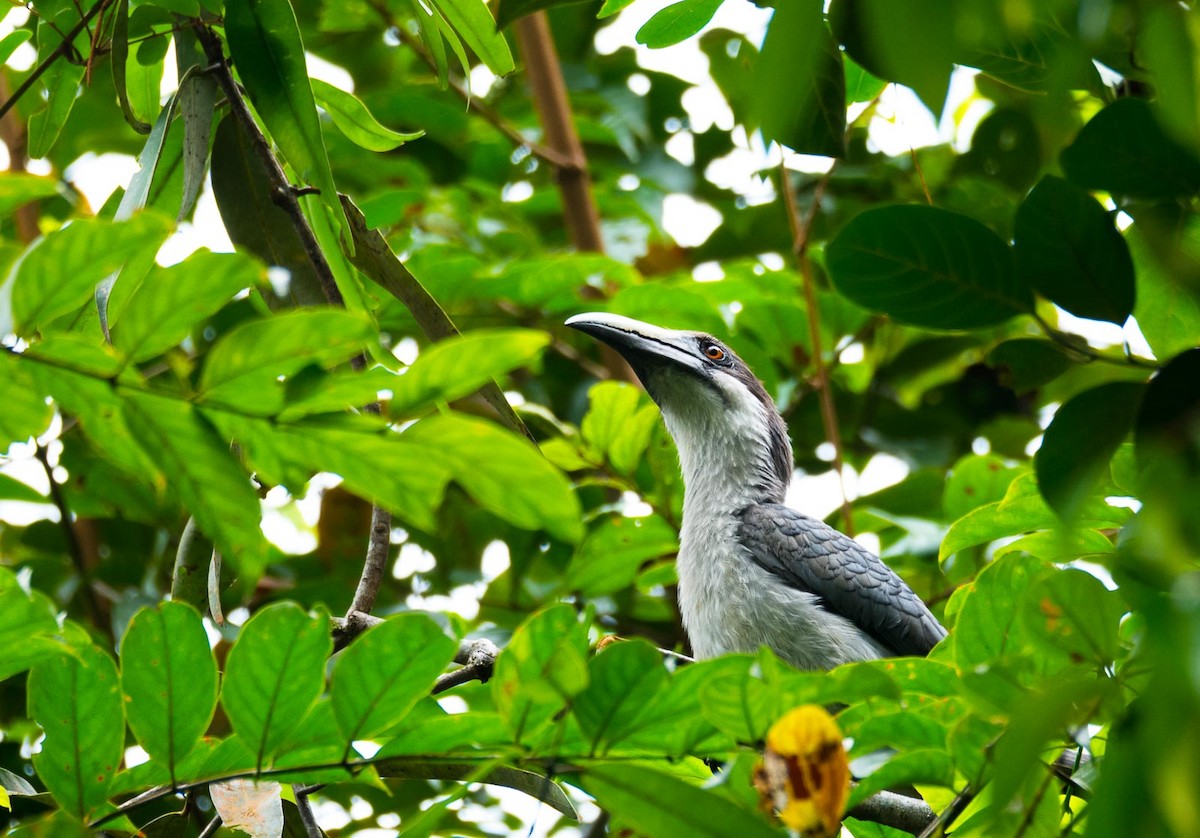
[[908, 814], [375, 564], [478, 659]]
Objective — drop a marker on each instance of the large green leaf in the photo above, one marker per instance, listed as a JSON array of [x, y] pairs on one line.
[[618, 424], [677, 22], [353, 119], [659, 805], [1071, 613], [203, 474], [244, 367], [1169, 414], [385, 672], [60, 272], [1073, 255], [623, 681], [1168, 309], [26, 412], [264, 41], [1124, 150], [909, 41], [541, 668], [1081, 441], [60, 83], [273, 675], [986, 626], [19, 188], [928, 267], [169, 680], [158, 313], [504, 473], [76, 698], [458, 366], [808, 114], [473, 22], [615, 550], [975, 480]]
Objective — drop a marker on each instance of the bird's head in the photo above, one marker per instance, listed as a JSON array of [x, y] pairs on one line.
[[716, 409]]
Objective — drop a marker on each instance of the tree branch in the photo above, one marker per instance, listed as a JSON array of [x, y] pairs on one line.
[[375, 564], [478, 659], [800, 233], [64, 47], [908, 814]]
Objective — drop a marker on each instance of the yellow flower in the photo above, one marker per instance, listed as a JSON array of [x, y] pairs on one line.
[[804, 775]]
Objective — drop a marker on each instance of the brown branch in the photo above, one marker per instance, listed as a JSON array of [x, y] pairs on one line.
[[66, 46], [800, 233], [375, 564], [550, 98]]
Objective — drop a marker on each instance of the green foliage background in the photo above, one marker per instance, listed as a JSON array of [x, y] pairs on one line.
[[1050, 512]]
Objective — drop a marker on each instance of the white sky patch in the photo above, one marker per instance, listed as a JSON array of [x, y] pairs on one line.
[[494, 561], [97, 176], [135, 755], [688, 221], [319, 68]]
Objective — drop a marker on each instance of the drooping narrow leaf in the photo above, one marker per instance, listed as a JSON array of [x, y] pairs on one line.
[[353, 119], [169, 680], [677, 22], [244, 366], [274, 674], [1081, 441], [1068, 246], [264, 41], [197, 103], [60, 272], [383, 673], [928, 267], [120, 54], [162, 309], [472, 20], [203, 474], [148, 42], [254, 221], [76, 698]]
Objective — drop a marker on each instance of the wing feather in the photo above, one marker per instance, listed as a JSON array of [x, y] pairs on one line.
[[851, 581]]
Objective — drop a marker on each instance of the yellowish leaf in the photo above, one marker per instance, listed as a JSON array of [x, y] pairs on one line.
[[804, 775]]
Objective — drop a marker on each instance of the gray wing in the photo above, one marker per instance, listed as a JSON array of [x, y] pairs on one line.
[[812, 556]]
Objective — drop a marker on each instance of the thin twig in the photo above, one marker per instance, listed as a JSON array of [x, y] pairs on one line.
[[65, 46], [74, 548], [375, 564], [306, 814], [1081, 347], [800, 233], [211, 829]]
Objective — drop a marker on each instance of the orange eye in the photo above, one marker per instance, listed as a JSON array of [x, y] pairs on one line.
[[714, 352]]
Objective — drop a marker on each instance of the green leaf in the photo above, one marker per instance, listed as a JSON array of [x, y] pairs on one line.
[[204, 475], [1166, 421], [18, 188], [920, 765], [60, 83], [1069, 611], [1025, 364], [1168, 310], [1080, 443], [473, 22], [197, 108], [383, 674], [1022, 510], [541, 668], [677, 22], [120, 56], [312, 393], [264, 41], [458, 366], [13, 489], [1169, 45], [986, 626], [244, 366], [253, 220], [928, 267], [624, 679], [76, 699], [161, 311], [60, 272], [808, 114], [658, 804], [26, 412], [618, 424], [976, 480], [503, 473], [169, 680], [615, 550], [353, 119], [1124, 150], [10, 42], [28, 628], [274, 674], [1068, 246], [909, 41]]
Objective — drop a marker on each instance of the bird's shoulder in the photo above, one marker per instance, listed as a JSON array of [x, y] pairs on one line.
[[810, 555]]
